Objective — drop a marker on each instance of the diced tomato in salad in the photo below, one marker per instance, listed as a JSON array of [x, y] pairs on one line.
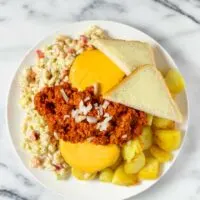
[[40, 54], [71, 50], [83, 39], [34, 136], [58, 167]]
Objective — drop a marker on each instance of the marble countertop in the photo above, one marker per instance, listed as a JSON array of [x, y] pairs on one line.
[[173, 23]]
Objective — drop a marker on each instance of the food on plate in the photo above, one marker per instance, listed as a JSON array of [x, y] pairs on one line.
[[83, 175], [161, 155], [89, 157], [90, 67], [135, 165], [161, 123], [146, 137], [51, 68], [131, 149], [106, 175], [128, 55], [174, 81], [151, 170], [120, 177], [168, 140], [146, 90], [77, 116], [98, 107]]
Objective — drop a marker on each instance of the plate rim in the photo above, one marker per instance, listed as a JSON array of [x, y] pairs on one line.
[[33, 46]]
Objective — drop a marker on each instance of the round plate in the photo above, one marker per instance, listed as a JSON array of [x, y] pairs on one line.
[[72, 188]]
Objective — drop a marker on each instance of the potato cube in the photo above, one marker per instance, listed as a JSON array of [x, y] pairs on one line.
[[106, 175], [161, 123], [151, 170], [161, 155], [135, 165], [121, 178], [83, 175], [118, 162], [146, 137], [174, 81], [168, 140], [130, 149]]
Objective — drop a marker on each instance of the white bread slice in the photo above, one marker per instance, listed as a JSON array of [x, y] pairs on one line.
[[145, 90], [127, 55]]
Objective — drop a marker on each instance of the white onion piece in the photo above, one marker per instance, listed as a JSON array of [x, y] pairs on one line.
[[64, 95], [91, 120]]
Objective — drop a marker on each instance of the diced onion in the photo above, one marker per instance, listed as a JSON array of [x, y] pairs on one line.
[[64, 95], [86, 99], [84, 109], [96, 105], [105, 104], [75, 113], [66, 116], [106, 115], [91, 119], [88, 108], [90, 139], [124, 136], [100, 110], [102, 126], [80, 118]]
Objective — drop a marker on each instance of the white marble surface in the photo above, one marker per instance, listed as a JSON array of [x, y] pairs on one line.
[[174, 23]]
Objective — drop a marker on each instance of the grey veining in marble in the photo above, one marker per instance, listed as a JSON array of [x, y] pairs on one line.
[[174, 23]]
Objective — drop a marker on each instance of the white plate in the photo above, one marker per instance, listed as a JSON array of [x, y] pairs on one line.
[[72, 188]]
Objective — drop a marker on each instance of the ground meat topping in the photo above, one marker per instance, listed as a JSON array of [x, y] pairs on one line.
[[85, 116]]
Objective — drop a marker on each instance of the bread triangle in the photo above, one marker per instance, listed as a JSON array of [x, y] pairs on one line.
[[145, 90], [127, 55]]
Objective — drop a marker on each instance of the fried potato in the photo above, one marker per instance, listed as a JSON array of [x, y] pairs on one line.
[[161, 123], [118, 162], [130, 149], [121, 178], [168, 140], [146, 137], [83, 175], [106, 175], [161, 155], [151, 170], [174, 81], [135, 165]]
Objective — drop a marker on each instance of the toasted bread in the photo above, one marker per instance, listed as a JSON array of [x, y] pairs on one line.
[[127, 55], [146, 90]]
